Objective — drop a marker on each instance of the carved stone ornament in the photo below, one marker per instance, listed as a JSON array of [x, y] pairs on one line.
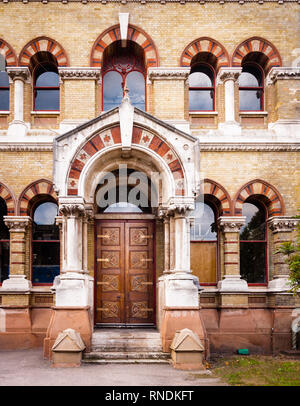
[[231, 224], [168, 73], [74, 210], [228, 74], [282, 224], [17, 224], [20, 72], [79, 73], [278, 73]]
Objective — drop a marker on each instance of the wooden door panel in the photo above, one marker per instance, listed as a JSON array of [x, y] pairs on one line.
[[125, 264], [110, 273]]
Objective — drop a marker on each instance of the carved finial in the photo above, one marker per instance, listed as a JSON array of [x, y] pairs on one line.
[[126, 90]]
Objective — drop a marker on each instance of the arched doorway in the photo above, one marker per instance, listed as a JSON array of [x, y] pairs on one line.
[[125, 202]]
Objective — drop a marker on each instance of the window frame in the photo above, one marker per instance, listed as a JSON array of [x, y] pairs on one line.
[[6, 241], [255, 88], [259, 205], [44, 87], [7, 88], [213, 88], [34, 207]]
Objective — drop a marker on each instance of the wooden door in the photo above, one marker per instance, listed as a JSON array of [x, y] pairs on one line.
[[125, 268]]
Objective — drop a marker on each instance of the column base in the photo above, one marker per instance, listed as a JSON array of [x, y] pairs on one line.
[[73, 289], [180, 289], [279, 284], [233, 283], [16, 283]]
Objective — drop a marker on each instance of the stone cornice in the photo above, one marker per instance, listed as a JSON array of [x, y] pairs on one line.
[[284, 73], [79, 73], [18, 147], [267, 147], [168, 73], [282, 224], [152, 1]]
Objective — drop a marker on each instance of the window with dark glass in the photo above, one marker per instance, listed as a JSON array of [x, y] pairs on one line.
[[203, 237], [253, 244], [120, 65], [4, 244], [46, 87], [251, 88], [45, 244], [4, 86], [201, 88]]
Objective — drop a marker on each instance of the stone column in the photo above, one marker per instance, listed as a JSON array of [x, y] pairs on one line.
[[281, 227], [73, 287], [17, 280], [19, 75], [180, 307], [230, 228], [228, 77]]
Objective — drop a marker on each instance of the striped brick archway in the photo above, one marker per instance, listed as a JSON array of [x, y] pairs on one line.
[[210, 188], [38, 188], [112, 137], [8, 196], [257, 44], [205, 44], [134, 34], [43, 44], [8, 53], [262, 190]]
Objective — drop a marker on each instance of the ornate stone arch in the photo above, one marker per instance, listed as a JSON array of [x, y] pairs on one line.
[[135, 34], [9, 54], [205, 44], [43, 44], [265, 192], [111, 137], [219, 194], [9, 197], [40, 188], [257, 44]]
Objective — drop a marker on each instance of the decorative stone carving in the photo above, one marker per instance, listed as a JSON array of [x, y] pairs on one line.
[[17, 224], [282, 224], [74, 210], [228, 74], [168, 73], [79, 73], [18, 73], [283, 73], [231, 224]]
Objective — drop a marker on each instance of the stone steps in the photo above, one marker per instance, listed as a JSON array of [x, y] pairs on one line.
[[132, 346]]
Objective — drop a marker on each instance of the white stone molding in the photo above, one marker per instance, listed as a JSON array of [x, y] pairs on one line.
[[123, 20], [79, 73], [282, 224], [161, 73], [231, 224], [255, 146], [232, 283], [237, 2], [18, 73], [126, 113], [282, 73]]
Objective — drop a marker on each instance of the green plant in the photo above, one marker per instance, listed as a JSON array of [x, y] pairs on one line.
[[292, 251]]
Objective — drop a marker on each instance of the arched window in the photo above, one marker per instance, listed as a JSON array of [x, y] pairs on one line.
[[4, 86], [45, 244], [251, 88], [253, 244], [204, 239], [4, 243], [45, 82], [202, 88], [122, 64]]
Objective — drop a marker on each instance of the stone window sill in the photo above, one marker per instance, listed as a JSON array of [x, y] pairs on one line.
[[253, 113], [45, 113], [202, 113], [4, 113]]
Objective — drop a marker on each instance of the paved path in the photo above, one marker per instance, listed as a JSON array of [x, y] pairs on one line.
[[28, 368]]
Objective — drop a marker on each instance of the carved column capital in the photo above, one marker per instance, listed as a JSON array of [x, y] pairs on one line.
[[71, 207], [231, 224], [18, 73], [231, 73], [282, 224], [17, 224], [181, 206]]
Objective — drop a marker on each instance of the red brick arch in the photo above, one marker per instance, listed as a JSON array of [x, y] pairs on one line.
[[205, 44], [257, 44], [262, 190], [211, 188], [8, 196], [134, 34], [111, 137], [38, 188], [43, 44], [9, 54]]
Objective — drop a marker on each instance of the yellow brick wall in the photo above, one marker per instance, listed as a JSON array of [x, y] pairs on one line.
[[79, 99]]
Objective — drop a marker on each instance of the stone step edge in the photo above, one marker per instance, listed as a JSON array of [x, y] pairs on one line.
[[126, 361], [127, 355]]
